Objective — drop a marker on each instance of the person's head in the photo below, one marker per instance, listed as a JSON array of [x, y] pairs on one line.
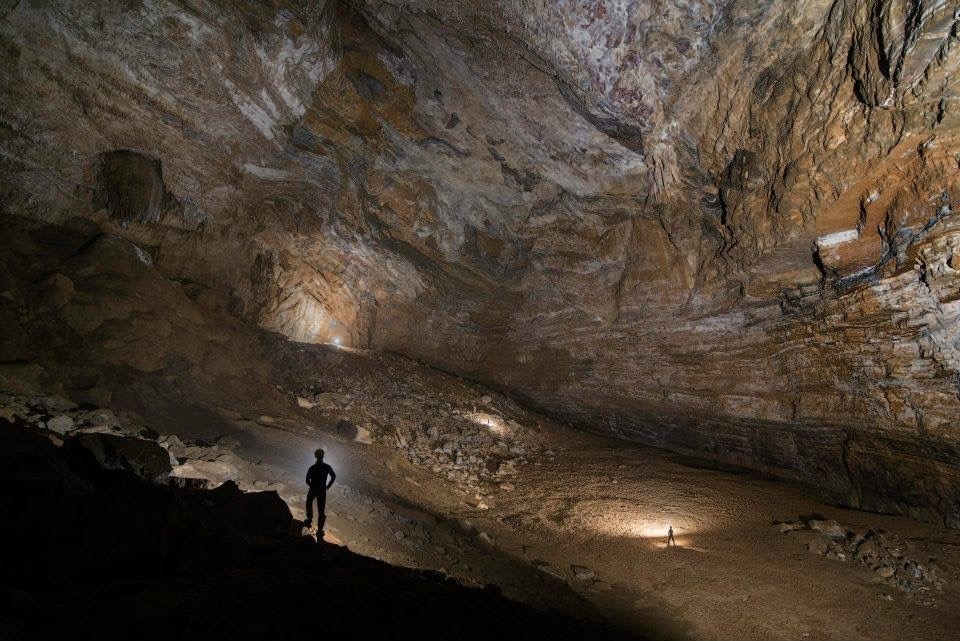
[[319, 453]]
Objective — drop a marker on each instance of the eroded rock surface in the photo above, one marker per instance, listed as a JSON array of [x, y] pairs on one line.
[[723, 228]]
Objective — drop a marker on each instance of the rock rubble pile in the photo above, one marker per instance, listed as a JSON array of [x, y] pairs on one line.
[[466, 434], [885, 553]]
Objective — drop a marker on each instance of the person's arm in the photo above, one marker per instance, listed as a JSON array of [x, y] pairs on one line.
[[309, 474], [333, 477]]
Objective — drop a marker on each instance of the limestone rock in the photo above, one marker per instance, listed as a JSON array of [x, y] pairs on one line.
[[723, 228], [880, 551], [830, 529], [60, 424], [582, 573]]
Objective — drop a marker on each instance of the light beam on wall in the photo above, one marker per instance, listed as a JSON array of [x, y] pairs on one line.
[[304, 318]]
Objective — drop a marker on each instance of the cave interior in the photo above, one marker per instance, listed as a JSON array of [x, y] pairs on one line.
[[615, 318]]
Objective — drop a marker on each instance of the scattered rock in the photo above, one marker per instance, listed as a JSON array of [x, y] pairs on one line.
[[144, 458], [346, 429], [546, 568], [485, 538], [363, 436], [170, 441], [582, 573], [53, 404], [60, 424], [227, 442], [881, 552], [99, 417], [790, 526], [830, 528]]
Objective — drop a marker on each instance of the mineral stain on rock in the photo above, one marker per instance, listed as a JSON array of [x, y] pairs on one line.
[[723, 229]]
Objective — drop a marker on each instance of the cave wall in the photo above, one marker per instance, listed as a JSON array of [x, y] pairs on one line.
[[724, 228]]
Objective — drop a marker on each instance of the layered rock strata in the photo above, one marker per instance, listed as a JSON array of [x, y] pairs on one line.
[[723, 228]]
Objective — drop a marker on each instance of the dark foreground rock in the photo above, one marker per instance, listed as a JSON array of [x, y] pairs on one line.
[[99, 553]]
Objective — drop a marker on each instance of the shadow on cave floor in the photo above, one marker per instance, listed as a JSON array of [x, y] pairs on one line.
[[101, 553]]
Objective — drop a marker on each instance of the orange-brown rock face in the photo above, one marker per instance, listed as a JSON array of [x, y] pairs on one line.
[[724, 228]]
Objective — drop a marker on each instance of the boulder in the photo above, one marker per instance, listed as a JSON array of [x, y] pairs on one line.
[[54, 292], [144, 458], [99, 417], [582, 573], [61, 424], [261, 515], [53, 404], [171, 441], [346, 429], [830, 528], [363, 436], [790, 526], [227, 442]]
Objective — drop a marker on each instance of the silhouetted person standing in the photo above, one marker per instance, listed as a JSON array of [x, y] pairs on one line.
[[317, 481], [670, 538]]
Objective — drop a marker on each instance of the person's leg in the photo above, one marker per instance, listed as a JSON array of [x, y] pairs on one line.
[[311, 494], [321, 509]]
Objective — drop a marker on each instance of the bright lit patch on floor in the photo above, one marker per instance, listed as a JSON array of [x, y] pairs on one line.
[[496, 424], [625, 519]]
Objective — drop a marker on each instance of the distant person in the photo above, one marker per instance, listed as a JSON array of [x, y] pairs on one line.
[[317, 481], [670, 538]]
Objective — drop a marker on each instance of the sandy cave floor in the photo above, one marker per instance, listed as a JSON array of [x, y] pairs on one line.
[[575, 500]]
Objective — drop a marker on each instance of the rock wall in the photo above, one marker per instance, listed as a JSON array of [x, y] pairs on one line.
[[724, 228]]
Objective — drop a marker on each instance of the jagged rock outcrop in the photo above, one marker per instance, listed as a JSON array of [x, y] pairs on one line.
[[723, 228]]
